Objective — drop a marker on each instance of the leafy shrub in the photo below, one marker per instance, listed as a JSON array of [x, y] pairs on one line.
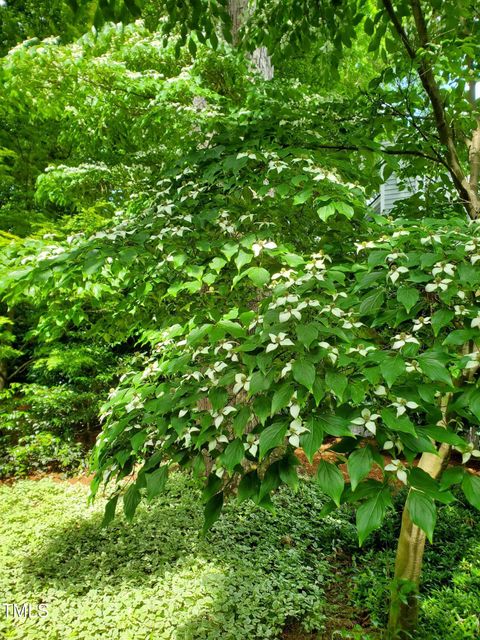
[[41, 451]]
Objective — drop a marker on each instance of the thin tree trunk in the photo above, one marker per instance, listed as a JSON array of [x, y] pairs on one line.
[[408, 563], [238, 10], [404, 607], [3, 374]]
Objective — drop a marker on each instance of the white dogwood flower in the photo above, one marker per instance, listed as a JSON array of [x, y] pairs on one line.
[[461, 310], [219, 416], [367, 244], [439, 283], [295, 431], [443, 267], [398, 467], [412, 366], [278, 340], [401, 405], [367, 420], [332, 351], [258, 246], [420, 322], [401, 339], [474, 361], [242, 383], [361, 349], [287, 368], [395, 272], [476, 321]]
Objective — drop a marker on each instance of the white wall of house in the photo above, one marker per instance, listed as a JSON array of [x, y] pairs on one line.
[[391, 193]]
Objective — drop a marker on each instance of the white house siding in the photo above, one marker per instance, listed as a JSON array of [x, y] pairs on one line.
[[390, 193]]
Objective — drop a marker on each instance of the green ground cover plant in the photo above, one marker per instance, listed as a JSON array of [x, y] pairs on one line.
[[253, 575]]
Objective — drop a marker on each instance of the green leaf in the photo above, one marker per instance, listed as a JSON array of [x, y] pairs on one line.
[[440, 319], [422, 511], [304, 373], [408, 296], [249, 486], [444, 435], [359, 464], [372, 303], [325, 212], [336, 382], [131, 500], [212, 511], [233, 454], [281, 398], [110, 508], [452, 475], [218, 398], [288, 473], [398, 423], [335, 425], [344, 209], [271, 437], [331, 481], [434, 369], [474, 404], [306, 333], [421, 480], [242, 259], [302, 197], [261, 408], [471, 489], [156, 481], [240, 421], [258, 275], [311, 440], [460, 336], [392, 369], [258, 382], [370, 515]]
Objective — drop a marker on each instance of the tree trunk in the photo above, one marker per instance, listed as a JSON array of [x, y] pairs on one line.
[[408, 563], [261, 60], [411, 541], [3, 374]]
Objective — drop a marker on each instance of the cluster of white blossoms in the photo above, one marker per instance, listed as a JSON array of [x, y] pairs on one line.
[[287, 275], [289, 311], [443, 267], [474, 360], [251, 445], [220, 415], [473, 246], [135, 403]]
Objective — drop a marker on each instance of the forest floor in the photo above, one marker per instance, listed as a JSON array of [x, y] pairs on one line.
[[291, 575]]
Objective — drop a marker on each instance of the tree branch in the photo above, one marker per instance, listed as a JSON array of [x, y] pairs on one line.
[[467, 195]]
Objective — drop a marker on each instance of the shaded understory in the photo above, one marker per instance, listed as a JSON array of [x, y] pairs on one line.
[[256, 575]]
